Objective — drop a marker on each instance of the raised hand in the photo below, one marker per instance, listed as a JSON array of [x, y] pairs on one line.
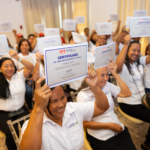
[[115, 127], [38, 56], [14, 54], [41, 95], [112, 67], [91, 78], [114, 36], [127, 39], [61, 30], [14, 32], [35, 34]]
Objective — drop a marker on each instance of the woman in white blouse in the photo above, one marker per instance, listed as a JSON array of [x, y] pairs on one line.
[[12, 93], [105, 131], [130, 69]]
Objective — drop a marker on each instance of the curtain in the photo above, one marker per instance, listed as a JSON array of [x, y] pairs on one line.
[[52, 13], [126, 8]]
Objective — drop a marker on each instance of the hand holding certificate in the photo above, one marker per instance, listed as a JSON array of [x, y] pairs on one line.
[[140, 27], [5, 26], [103, 54], [51, 31], [114, 17], [78, 38], [139, 13], [51, 41], [104, 28], [4, 49], [69, 25], [39, 28], [80, 19], [65, 64]]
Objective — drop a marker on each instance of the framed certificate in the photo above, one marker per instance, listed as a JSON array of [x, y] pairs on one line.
[[65, 64], [104, 28], [103, 54], [139, 13], [80, 19], [5, 26], [51, 31], [78, 38], [114, 18], [140, 27], [51, 41], [39, 28], [4, 49], [69, 25]]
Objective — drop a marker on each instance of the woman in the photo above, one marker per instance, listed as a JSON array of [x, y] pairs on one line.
[[60, 127], [147, 72], [12, 93], [106, 131], [130, 69], [24, 50]]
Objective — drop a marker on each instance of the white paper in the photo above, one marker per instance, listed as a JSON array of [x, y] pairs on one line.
[[114, 18], [51, 31], [140, 27], [65, 64], [78, 38], [5, 26], [69, 25], [39, 28], [103, 54], [139, 13], [45, 42], [29, 59], [128, 22], [4, 49], [80, 19], [104, 28]]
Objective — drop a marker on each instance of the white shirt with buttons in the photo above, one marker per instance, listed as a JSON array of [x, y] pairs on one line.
[[70, 136], [137, 94], [17, 90], [109, 116]]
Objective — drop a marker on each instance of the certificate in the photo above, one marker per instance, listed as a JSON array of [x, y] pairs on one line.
[[104, 28], [139, 13], [69, 25], [65, 64], [78, 38], [5, 26], [51, 31], [128, 22], [4, 49], [114, 18], [50, 41], [103, 54], [140, 27], [80, 19], [39, 28]]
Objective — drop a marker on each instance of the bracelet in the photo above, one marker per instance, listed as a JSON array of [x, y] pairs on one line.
[[20, 59]]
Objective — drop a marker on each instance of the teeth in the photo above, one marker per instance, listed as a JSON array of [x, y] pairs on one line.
[[60, 110]]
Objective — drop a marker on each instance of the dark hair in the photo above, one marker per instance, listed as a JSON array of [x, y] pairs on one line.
[[85, 29], [127, 63], [20, 43], [94, 42], [30, 35], [125, 32], [9, 43], [5, 92], [147, 48], [70, 38]]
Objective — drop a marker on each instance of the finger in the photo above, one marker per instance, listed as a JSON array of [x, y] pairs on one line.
[[43, 88], [39, 81]]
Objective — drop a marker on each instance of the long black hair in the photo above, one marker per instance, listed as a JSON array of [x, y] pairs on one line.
[[127, 63], [20, 43], [5, 91]]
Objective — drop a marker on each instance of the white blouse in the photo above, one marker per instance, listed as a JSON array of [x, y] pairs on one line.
[[17, 90]]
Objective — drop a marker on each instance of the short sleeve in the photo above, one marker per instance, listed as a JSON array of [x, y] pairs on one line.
[[122, 74], [143, 60], [20, 73]]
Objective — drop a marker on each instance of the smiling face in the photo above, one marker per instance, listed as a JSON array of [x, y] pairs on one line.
[[31, 39], [7, 69], [134, 52], [103, 76], [25, 47], [58, 102], [102, 40]]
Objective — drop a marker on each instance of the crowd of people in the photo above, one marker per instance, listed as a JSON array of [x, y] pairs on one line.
[[58, 123]]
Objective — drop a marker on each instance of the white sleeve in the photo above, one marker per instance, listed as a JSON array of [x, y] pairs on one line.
[[143, 60], [42, 71], [122, 74], [83, 97], [21, 74]]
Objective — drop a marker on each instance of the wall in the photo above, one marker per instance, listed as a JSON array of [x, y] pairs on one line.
[[11, 10], [100, 10]]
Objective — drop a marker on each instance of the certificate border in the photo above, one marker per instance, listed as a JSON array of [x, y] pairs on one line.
[[69, 20], [131, 26], [51, 28], [6, 44], [58, 48], [140, 10], [38, 41], [96, 54], [7, 30], [103, 23]]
